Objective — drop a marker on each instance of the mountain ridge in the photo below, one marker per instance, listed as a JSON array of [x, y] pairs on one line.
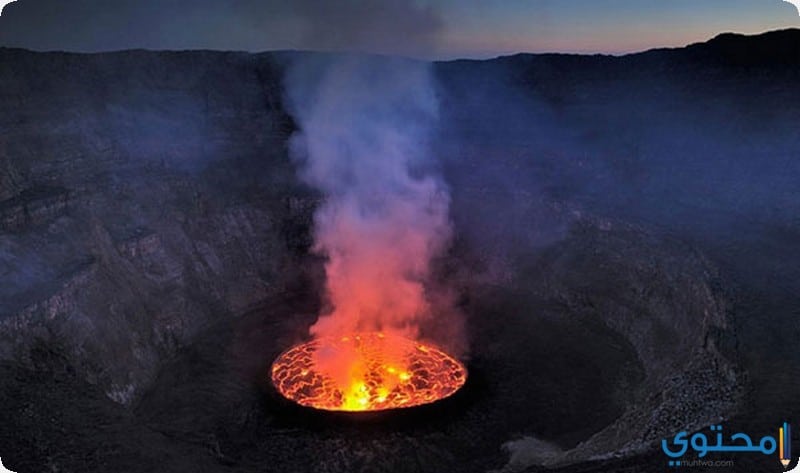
[[785, 41]]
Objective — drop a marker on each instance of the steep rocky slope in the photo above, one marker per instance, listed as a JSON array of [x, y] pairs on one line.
[[144, 196], [154, 257]]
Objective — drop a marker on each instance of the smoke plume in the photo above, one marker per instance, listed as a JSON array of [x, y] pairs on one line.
[[365, 125]]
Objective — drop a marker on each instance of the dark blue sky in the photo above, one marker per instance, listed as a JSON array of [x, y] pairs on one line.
[[423, 28]]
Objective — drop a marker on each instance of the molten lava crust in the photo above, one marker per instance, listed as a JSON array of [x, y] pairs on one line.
[[366, 372]]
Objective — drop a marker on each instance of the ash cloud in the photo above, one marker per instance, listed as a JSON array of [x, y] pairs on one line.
[[366, 125], [395, 27]]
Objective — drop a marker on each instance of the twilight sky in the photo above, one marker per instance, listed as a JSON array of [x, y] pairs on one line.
[[418, 28]]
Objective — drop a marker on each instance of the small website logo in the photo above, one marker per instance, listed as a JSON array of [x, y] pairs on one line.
[[703, 444], [785, 445]]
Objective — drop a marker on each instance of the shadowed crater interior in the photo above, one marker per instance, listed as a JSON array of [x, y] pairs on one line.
[[623, 254]]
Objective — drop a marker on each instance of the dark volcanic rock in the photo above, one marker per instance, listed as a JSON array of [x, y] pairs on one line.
[[154, 256], [663, 298], [141, 202]]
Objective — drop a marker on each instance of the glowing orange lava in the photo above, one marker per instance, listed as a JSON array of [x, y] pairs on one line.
[[366, 372]]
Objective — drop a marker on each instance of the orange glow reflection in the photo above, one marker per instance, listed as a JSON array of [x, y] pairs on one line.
[[366, 372]]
